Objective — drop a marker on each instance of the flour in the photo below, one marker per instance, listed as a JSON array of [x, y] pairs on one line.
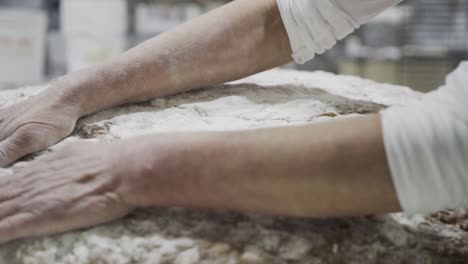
[[5, 172], [274, 98]]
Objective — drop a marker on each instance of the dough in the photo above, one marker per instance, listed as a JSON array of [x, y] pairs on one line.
[[183, 236]]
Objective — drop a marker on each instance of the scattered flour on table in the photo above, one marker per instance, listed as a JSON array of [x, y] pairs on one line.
[[273, 98]]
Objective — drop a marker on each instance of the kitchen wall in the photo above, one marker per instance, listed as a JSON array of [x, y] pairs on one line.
[[414, 44]]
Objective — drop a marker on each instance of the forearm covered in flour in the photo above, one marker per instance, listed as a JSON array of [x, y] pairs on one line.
[[234, 41], [327, 169]]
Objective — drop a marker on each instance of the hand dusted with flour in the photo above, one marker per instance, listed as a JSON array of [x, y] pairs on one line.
[[35, 124], [73, 188]]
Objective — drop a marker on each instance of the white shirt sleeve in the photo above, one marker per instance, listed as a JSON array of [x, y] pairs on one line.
[[427, 147], [313, 26], [426, 143]]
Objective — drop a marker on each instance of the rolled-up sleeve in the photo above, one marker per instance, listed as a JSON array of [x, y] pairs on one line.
[[313, 26], [427, 147]]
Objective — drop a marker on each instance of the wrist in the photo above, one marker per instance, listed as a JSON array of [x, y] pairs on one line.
[[157, 170], [78, 91]]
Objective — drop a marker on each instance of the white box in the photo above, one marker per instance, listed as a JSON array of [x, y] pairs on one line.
[[101, 17], [22, 46], [56, 58], [94, 31], [86, 50], [154, 18]]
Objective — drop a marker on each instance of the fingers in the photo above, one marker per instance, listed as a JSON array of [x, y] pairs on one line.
[[16, 146], [2, 124], [15, 226], [6, 151], [8, 208]]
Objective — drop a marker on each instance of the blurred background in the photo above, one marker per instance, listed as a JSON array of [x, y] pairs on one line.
[[414, 44]]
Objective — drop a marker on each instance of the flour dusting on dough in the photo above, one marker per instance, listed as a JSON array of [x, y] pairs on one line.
[[274, 98]]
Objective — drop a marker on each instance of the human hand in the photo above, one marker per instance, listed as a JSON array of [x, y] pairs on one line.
[[76, 187], [35, 124]]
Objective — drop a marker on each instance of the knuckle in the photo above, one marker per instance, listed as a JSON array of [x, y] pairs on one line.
[[23, 138], [29, 139], [56, 207]]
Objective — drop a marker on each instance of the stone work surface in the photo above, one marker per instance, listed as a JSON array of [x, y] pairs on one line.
[[273, 98]]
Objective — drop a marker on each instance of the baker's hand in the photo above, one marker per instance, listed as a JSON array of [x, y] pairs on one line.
[[34, 124], [76, 187]]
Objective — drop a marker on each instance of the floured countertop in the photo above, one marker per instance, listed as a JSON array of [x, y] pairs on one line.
[[273, 98]]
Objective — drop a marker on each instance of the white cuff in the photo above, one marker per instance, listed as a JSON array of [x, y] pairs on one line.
[[313, 26], [427, 152]]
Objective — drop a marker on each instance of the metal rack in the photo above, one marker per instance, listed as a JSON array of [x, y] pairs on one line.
[[435, 41], [427, 40]]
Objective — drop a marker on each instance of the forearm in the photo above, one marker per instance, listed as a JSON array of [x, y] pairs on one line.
[[326, 169], [236, 40]]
